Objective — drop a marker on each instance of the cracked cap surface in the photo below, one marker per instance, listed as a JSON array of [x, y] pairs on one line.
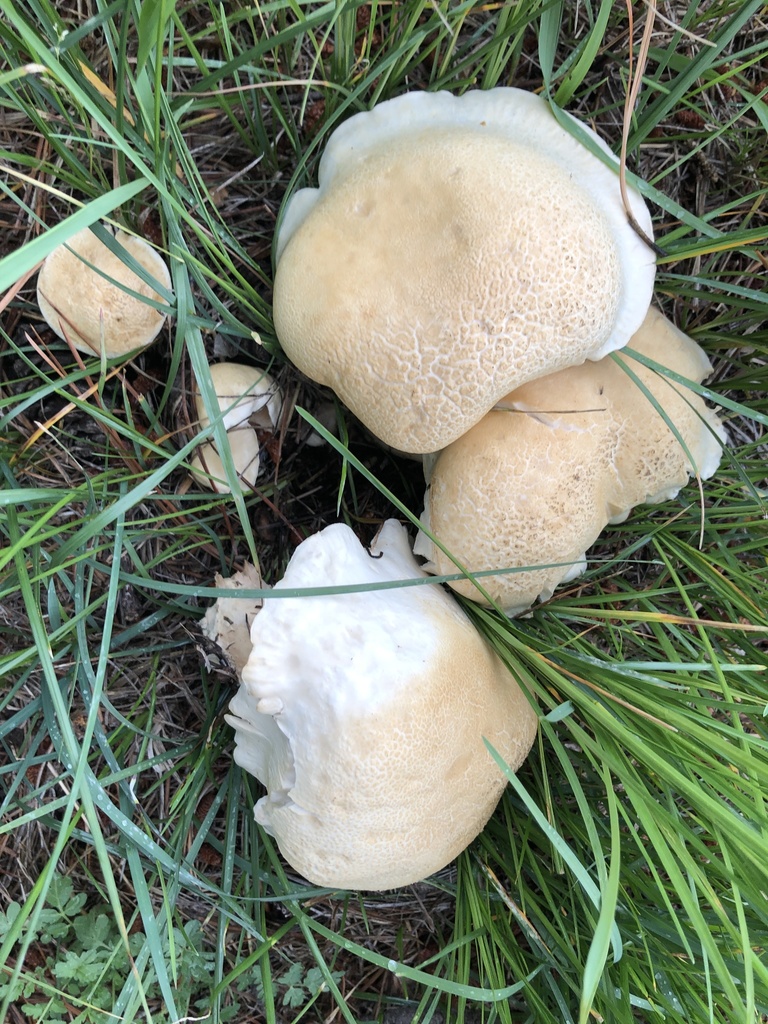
[[456, 248], [533, 484]]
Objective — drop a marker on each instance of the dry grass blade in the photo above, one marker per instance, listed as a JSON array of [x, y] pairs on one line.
[[634, 84]]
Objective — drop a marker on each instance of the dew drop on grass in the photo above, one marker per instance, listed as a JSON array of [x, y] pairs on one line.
[[666, 990]]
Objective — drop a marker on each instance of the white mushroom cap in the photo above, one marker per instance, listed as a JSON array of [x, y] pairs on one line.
[[364, 716], [534, 483], [456, 247], [248, 398], [88, 296]]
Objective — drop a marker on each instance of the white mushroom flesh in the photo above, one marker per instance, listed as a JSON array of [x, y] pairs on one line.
[[248, 400]]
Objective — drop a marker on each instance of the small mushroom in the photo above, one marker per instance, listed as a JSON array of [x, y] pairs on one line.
[[530, 487], [91, 298], [519, 489], [248, 400], [228, 620], [364, 716], [456, 247]]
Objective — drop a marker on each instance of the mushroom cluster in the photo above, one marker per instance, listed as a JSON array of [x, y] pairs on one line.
[[531, 486], [476, 329], [462, 277]]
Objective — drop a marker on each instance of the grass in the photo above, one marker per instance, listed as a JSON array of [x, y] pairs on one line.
[[623, 877]]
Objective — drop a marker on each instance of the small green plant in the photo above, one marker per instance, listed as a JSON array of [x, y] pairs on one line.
[[85, 962], [84, 958], [56, 919], [301, 984]]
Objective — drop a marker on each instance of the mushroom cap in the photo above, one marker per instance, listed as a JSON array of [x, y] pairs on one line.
[[519, 491], [456, 247], [364, 716], [533, 484], [247, 398], [650, 461], [85, 294]]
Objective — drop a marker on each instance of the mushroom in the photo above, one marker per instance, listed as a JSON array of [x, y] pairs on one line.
[[228, 620], [91, 298], [653, 467], [530, 487], [456, 247], [248, 399], [364, 715]]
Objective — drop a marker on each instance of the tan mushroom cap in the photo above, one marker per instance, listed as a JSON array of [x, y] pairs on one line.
[[456, 248], [517, 490], [534, 483], [248, 399], [85, 294], [364, 716], [651, 463]]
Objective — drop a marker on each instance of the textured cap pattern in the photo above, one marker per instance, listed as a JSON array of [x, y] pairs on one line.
[[536, 481], [456, 247]]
